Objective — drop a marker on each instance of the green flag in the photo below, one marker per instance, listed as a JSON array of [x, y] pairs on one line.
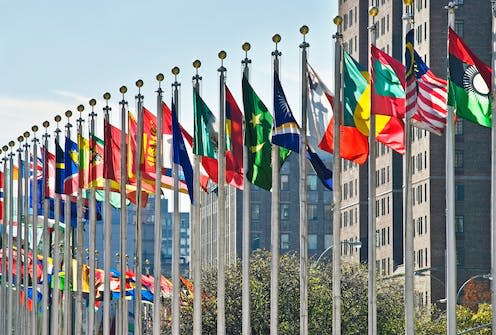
[[258, 134], [205, 139]]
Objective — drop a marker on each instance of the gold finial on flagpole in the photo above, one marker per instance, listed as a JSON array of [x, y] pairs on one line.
[[34, 129], [196, 64], [68, 113], [107, 95], [26, 134], [80, 108], [338, 20], [160, 77], [246, 47], [139, 83], [373, 11], [20, 139], [92, 102], [122, 89], [46, 124]]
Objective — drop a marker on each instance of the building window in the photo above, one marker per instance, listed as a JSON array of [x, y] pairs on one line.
[[459, 127], [284, 182], [459, 224], [459, 192], [458, 158], [284, 241], [255, 241], [312, 212], [255, 211], [459, 27], [460, 255], [284, 211], [312, 241], [327, 240], [312, 182]]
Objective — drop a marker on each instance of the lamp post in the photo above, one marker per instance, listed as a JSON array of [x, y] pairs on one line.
[[356, 244]]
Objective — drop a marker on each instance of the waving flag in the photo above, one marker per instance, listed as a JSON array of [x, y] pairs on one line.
[[180, 155], [469, 83], [426, 94], [234, 135], [59, 168], [71, 158], [287, 133]]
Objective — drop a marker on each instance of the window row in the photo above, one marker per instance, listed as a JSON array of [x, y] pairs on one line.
[[383, 266], [419, 194], [419, 162], [312, 182], [383, 237], [382, 206], [350, 18], [347, 249], [421, 258], [382, 176], [418, 133], [420, 225], [348, 217], [350, 189], [421, 33], [381, 149]]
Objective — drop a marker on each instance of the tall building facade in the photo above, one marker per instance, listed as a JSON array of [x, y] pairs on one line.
[[472, 154], [319, 216]]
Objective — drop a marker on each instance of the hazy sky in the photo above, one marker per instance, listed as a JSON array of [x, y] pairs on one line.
[[57, 54]]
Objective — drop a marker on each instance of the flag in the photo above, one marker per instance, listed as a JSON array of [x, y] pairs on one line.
[[83, 162], [180, 155], [205, 139], [234, 137], [426, 94], [388, 84], [469, 83], [71, 157], [50, 172], [59, 168], [353, 143], [389, 130], [1, 196], [287, 133], [258, 132]]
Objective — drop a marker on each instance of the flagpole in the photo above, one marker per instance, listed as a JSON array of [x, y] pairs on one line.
[[336, 228], [19, 245], [107, 223], [123, 212], [303, 190], [157, 266], [176, 221], [221, 212], [79, 235], [196, 227], [275, 216], [451, 288], [67, 245], [35, 235], [246, 247], [10, 242], [92, 224], [139, 151], [493, 165], [372, 280], [3, 291], [46, 234], [55, 326], [408, 211], [26, 233]]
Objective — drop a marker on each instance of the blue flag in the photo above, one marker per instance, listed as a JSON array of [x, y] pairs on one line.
[[180, 155], [286, 131], [59, 169], [71, 167], [287, 134]]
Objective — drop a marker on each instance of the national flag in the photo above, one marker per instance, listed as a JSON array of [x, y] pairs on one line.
[[354, 143], [234, 136], [258, 132], [83, 162], [71, 158], [469, 83], [205, 139], [389, 130], [180, 155], [50, 172], [388, 84], [287, 133], [426, 94], [59, 168]]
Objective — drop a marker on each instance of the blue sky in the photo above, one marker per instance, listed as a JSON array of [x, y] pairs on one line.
[[57, 54]]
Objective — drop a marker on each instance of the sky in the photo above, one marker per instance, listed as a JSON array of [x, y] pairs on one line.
[[57, 54]]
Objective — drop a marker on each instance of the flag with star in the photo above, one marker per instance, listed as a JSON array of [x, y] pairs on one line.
[[71, 160], [258, 133]]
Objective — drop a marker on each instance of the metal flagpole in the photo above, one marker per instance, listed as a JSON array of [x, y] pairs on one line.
[[34, 221], [221, 205], [303, 190], [107, 223], [157, 266], [372, 280], [275, 216], [450, 202], [67, 246], [123, 212], [246, 247], [336, 228], [139, 152], [79, 234], [26, 235], [10, 239], [176, 221], [92, 225], [196, 227], [46, 234], [493, 165], [408, 204], [3, 290], [19, 245], [55, 326]]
